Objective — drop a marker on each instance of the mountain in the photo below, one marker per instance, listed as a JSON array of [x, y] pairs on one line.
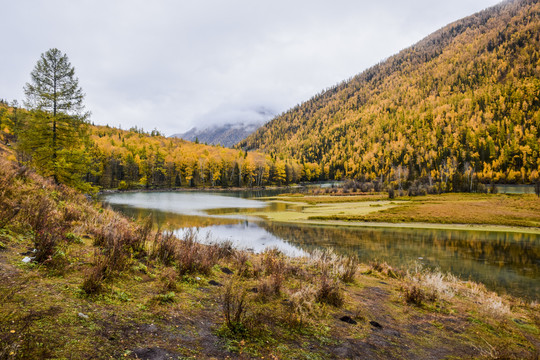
[[227, 135], [463, 103]]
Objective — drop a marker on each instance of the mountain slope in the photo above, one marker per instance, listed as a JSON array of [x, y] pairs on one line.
[[227, 135], [463, 101]]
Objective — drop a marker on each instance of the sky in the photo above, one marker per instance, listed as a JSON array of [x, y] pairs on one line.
[[172, 65]]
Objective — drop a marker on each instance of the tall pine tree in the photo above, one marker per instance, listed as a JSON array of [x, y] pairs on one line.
[[56, 134]]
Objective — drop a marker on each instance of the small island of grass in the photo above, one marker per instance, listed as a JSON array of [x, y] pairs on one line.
[[496, 212]]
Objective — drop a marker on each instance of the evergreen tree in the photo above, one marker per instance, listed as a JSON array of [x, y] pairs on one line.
[[56, 135]]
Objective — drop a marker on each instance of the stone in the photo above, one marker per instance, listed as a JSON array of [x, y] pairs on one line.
[[82, 316], [215, 283], [227, 271], [348, 320], [375, 324], [152, 354]]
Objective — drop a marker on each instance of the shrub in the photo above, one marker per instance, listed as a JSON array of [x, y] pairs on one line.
[[165, 247], [270, 287], [9, 207], [273, 261], [241, 259], [46, 243], [47, 227], [225, 249], [413, 294], [93, 282], [168, 279], [234, 303], [302, 305], [142, 235], [71, 212], [193, 257], [329, 292]]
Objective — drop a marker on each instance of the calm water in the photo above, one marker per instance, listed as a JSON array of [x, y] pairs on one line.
[[505, 262]]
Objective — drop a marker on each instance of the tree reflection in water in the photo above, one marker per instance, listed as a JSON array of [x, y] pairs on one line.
[[504, 262]]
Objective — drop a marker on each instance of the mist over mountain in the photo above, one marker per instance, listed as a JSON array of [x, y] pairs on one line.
[[226, 135], [227, 127]]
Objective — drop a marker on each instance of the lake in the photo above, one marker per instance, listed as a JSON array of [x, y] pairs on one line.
[[504, 262]]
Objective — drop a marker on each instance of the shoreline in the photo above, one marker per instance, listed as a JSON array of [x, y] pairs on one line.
[[201, 189], [415, 225]]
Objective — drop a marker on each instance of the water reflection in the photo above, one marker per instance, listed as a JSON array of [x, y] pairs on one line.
[[186, 203], [172, 221], [244, 235], [505, 262]]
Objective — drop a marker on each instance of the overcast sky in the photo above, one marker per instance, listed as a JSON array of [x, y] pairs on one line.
[[172, 65]]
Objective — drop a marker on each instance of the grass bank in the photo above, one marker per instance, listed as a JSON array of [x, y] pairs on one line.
[[502, 212], [78, 281]]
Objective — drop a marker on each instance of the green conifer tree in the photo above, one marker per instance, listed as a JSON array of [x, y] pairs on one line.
[[56, 134]]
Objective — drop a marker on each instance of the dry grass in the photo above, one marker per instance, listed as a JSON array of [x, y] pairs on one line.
[[334, 265], [302, 305], [385, 269], [436, 285], [332, 199], [492, 209]]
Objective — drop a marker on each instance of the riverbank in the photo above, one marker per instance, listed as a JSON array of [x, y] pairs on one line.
[[487, 212], [278, 308], [79, 281]]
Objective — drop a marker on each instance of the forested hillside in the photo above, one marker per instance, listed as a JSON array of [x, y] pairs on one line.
[[127, 159], [461, 105]]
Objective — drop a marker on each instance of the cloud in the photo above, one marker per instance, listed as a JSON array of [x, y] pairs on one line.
[[172, 64]]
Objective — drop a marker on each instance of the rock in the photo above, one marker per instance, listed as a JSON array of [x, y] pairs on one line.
[[82, 316], [375, 324], [227, 271], [348, 320], [27, 259], [197, 278], [152, 354], [215, 283]]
